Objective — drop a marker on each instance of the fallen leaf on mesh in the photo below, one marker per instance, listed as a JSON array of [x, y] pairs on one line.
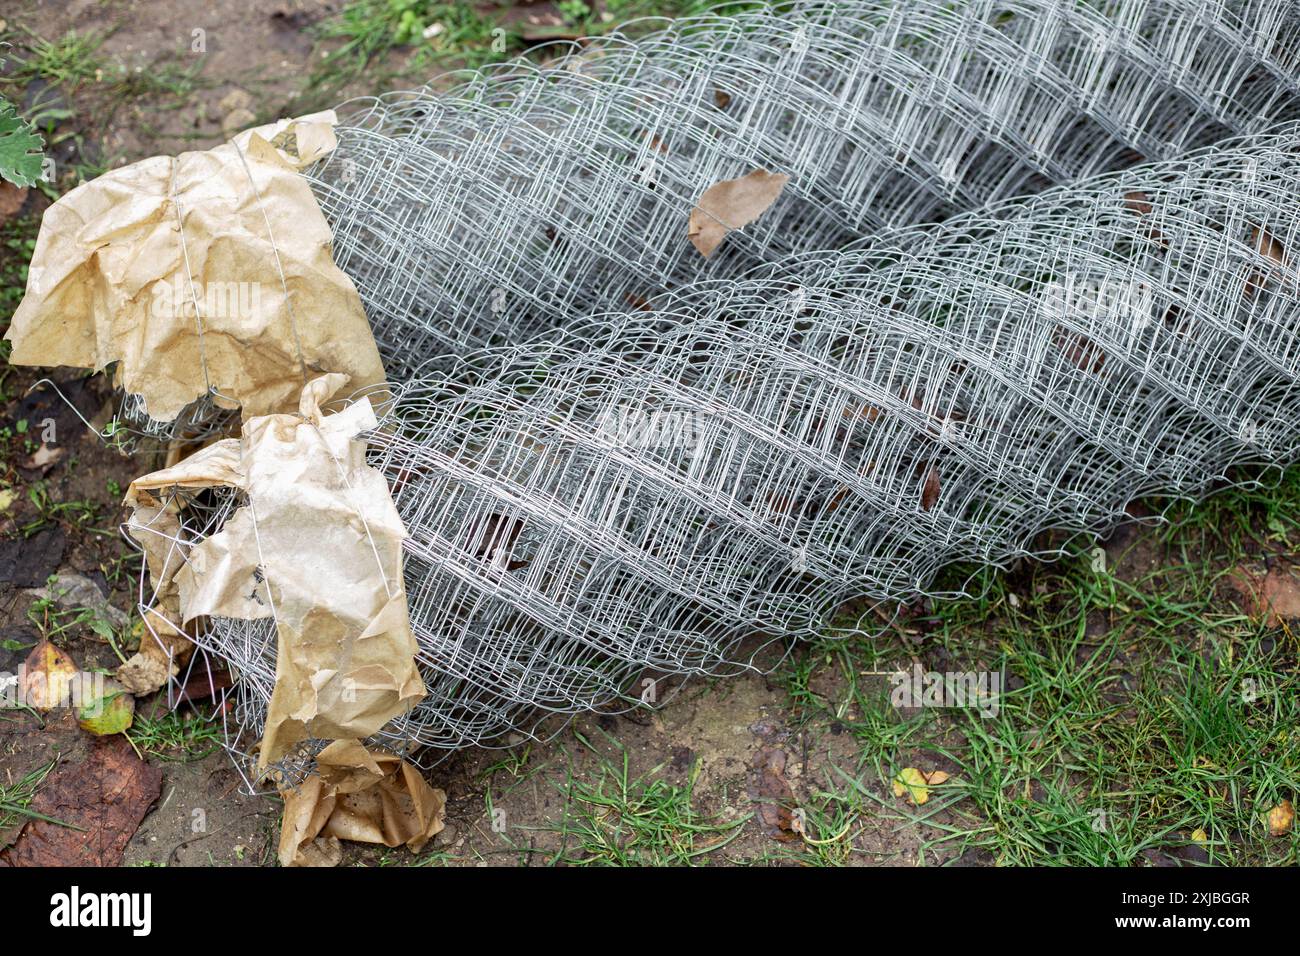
[[1280, 819], [1268, 246], [48, 677], [1271, 596], [732, 204], [930, 490], [362, 796], [1138, 202], [1082, 352], [99, 804], [916, 784]]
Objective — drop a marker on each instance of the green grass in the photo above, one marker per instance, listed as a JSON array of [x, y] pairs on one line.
[[17, 243], [365, 33], [1141, 706], [72, 93], [613, 819], [175, 735], [16, 798], [74, 61]]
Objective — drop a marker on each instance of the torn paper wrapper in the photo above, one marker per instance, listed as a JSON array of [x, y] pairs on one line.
[[210, 271], [317, 547], [164, 644], [357, 795]]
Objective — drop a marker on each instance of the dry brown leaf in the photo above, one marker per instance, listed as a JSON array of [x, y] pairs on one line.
[[1268, 246], [1280, 819], [867, 412], [1272, 596], [930, 490], [1080, 351], [43, 458], [721, 99], [732, 204], [102, 799], [770, 790], [11, 200], [1138, 202]]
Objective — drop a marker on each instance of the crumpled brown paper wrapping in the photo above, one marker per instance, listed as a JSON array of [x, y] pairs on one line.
[[361, 796], [317, 547], [164, 645], [111, 280]]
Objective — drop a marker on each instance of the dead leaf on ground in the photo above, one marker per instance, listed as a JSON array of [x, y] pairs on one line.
[[11, 200], [1280, 819], [916, 784], [1271, 596], [48, 677], [108, 712], [770, 790], [732, 204], [43, 459], [102, 800]]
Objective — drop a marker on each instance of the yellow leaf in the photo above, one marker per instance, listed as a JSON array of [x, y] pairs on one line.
[[48, 677], [1280, 819], [1200, 836], [109, 712], [7, 497], [916, 784]]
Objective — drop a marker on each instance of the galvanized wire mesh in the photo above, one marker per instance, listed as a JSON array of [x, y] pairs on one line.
[[527, 195], [638, 495]]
